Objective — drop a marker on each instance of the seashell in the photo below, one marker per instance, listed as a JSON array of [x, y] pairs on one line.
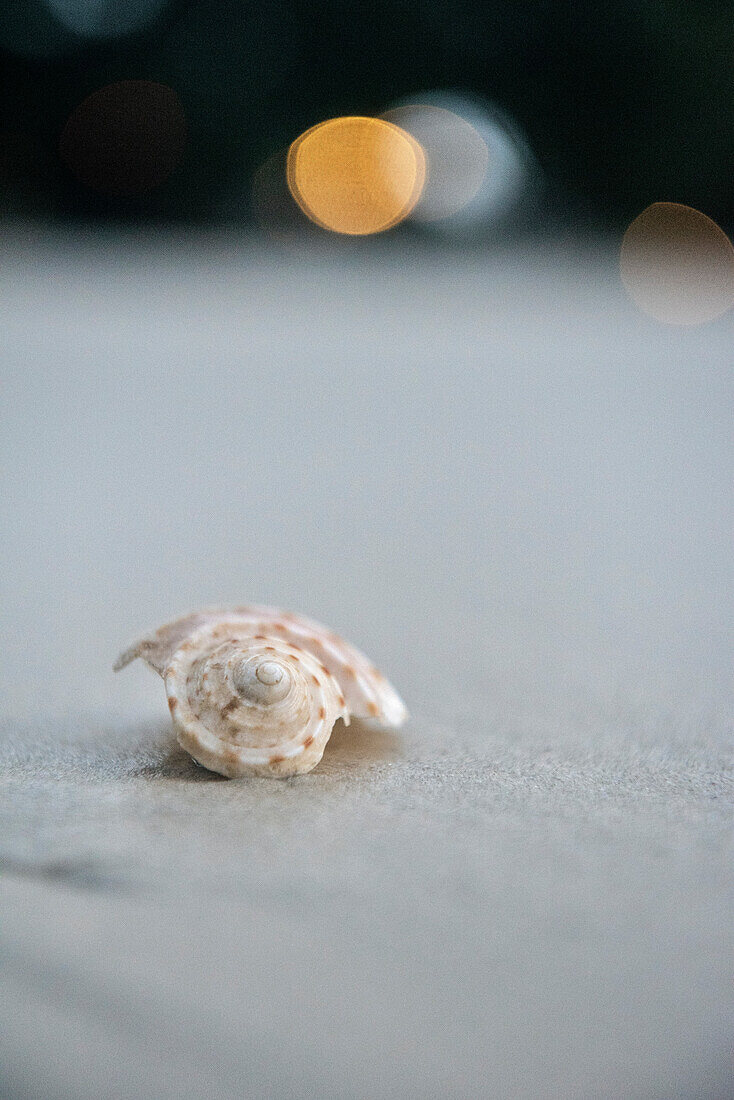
[[256, 691]]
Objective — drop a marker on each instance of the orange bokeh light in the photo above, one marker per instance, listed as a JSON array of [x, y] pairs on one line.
[[356, 175]]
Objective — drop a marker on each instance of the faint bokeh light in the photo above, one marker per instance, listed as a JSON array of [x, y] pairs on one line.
[[456, 158], [356, 175], [273, 208], [678, 265], [480, 172], [46, 28], [125, 138], [105, 18]]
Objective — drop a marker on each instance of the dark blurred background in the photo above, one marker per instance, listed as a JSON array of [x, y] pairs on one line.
[[623, 104]]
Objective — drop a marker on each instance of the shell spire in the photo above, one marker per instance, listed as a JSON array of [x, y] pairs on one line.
[[256, 691]]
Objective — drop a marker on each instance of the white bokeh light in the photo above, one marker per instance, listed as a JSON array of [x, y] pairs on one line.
[[463, 193], [105, 18], [49, 28]]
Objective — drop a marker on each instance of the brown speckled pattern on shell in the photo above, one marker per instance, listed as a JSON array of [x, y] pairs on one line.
[[273, 734]]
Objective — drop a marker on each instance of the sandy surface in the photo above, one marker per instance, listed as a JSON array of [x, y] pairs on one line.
[[510, 489]]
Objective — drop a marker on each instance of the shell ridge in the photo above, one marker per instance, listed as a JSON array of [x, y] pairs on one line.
[[348, 657]]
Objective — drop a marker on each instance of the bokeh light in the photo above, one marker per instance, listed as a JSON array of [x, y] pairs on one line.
[[125, 138], [677, 265], [456, 157], [273, 208], [356, 175], [480, 172], [49, 28], [103, 19]]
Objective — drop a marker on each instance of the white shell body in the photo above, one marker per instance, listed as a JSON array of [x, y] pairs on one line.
[[256, 691]]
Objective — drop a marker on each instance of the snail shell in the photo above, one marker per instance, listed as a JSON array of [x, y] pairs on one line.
[[256, 691]]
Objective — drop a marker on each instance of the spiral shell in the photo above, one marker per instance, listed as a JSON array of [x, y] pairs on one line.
[[256, 691]]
